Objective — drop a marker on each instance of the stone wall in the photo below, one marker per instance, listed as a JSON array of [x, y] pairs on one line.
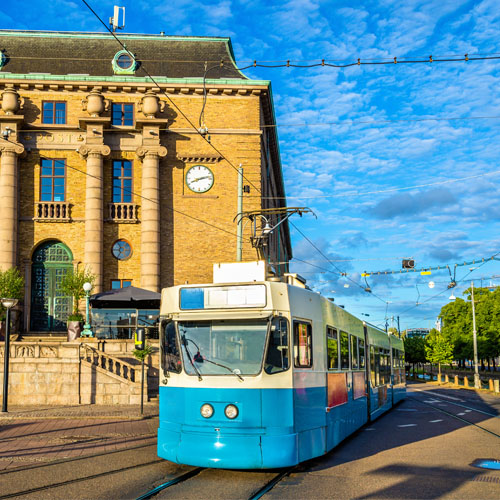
[[59, 373]]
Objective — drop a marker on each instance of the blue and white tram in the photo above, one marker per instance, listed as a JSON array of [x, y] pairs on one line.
[[267, 374]]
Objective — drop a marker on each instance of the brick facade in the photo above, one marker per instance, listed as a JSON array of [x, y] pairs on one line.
[[195, 230]]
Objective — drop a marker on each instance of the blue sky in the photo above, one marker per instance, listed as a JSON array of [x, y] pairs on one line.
[[370, 133]]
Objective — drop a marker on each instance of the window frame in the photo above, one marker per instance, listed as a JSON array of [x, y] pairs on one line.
[[121, 178], [335, 332], [344, 335], [296, 345], [122, 123], [52, 177], [119, 240], [353, 356], [53, 118], [267, 345], [115, 280]]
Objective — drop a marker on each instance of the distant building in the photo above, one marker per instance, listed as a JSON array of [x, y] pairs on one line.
[[100, 169], [417, 332]]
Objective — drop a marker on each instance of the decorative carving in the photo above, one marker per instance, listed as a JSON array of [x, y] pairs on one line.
[[151, 104], [86, 150], [11, 147], [48, 352], [11, 101], [25, 351], [143, 151], [95, 103], [199, 158]]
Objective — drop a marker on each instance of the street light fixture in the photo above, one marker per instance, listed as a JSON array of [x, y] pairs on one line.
[[8, 304], [87, 332]]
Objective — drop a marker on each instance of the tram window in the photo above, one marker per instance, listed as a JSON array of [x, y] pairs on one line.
[[277, 349], [354, 352], [377, 366], [372, 366], [170, 355], [361, 353], [302, 334], [332, 348], [344, 351], [394, 358]]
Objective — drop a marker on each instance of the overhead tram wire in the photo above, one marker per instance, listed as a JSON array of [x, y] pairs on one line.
[[339, 271], [149, 199], [167, 96]]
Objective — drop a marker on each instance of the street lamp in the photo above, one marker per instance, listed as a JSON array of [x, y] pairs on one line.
[[8, 304], [87, 332], [477, 383]]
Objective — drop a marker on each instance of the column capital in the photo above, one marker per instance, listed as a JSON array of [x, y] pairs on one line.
[[143, 151], [93, 150], [11, 147]]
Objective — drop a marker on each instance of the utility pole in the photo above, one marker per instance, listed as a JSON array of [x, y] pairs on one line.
[[477, 383], [399, 331], [239, 230]]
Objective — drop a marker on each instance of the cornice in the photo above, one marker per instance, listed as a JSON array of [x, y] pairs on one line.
[[199, 158]]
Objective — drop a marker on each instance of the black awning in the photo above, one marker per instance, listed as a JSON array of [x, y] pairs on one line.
[[129, 296]]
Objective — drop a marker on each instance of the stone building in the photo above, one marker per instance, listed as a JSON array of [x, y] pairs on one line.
[[103, 164]]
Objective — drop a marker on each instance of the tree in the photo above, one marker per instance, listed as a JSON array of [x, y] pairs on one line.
[[414, 350], [72, 285], [11, 286], [438, 349]]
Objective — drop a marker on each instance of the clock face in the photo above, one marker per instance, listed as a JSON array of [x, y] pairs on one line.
[[199, 179]]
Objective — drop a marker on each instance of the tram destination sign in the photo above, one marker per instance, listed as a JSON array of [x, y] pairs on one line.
[[223, 297]]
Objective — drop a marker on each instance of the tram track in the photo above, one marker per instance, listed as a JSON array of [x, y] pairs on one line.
[[458, 417], [255, 495]]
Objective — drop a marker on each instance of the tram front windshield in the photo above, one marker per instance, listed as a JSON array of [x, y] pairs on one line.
[[222, 347]]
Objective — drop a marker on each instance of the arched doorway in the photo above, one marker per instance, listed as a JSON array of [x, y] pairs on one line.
[[49, 308]]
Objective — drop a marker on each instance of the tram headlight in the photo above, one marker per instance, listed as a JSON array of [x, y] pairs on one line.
[[231, 411], [207, 410]]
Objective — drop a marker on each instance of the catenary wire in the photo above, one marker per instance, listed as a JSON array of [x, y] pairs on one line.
[[167, 96], [148, 199]]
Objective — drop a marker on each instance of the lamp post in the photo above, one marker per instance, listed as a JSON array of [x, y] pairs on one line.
[[477, 383], [87, 332], [8, 304]]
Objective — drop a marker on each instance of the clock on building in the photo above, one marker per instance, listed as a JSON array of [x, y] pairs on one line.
[[199, 179]]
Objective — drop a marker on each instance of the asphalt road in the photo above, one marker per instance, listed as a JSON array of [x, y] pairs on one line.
[[423, 448]]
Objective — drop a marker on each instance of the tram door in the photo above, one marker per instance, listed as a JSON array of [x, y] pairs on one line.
[[49, 307]]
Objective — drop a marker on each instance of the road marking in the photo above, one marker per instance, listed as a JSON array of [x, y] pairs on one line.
[[434, 421], [407, 425], [431, 401], [370, 429], [461, 414], [468, 411], [443, 396], [407, 409]]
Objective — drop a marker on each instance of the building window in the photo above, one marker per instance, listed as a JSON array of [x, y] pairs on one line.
[[116, 284], [121, 250], [122, 181], [122, 114], [124, 63], [52, 180], [54, 112]]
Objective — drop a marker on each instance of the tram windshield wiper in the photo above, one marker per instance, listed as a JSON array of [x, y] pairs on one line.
[[185, 344], [234, 372]]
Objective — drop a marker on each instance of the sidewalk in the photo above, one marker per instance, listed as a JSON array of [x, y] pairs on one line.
[[31, 435]]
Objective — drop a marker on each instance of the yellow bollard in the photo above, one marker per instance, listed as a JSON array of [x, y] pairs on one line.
[[456, 380], [466, 382], [446, 379], [490, 384], [496, 385]]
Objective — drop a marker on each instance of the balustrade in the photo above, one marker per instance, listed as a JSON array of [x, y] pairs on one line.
[[122, 212], [52, 211]]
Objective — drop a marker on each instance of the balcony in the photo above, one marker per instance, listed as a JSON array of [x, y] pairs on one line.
[[122, 212], [48, 211]]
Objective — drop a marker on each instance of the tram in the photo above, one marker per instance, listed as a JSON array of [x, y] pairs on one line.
[[261, 373]]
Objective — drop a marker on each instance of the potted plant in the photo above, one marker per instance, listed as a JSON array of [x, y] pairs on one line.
[[12, 287], [72, 285]]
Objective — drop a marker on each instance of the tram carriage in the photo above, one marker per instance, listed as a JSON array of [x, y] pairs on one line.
[[260, 374]]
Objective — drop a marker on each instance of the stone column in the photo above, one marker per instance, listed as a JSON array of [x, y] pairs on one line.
[[9, 202], [150, 216], [94, 234]]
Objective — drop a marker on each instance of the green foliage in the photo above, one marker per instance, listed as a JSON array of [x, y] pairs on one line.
[[72, 285], [438, 348], [141, 354], [11, 286], [458, 326], [414, 349]]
